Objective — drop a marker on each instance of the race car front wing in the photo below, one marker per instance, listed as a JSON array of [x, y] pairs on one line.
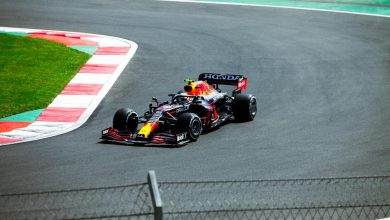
[[123, 137]]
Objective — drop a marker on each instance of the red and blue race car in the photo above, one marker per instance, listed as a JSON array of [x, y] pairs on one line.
[[202, 106]]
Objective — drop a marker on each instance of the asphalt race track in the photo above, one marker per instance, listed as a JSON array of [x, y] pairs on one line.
[[322, 80]]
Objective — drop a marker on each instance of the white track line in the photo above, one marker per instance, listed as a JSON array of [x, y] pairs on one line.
[[88, 78], [106, 59], [72, 101], [273, 6]]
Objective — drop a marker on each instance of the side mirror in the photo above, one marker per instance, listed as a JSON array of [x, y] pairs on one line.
[[147, 114], [172, 96]]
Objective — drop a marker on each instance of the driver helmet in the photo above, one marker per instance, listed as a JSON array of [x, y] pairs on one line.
[[197, 88]]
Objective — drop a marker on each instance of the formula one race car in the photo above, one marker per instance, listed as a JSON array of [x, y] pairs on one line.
[[182, 119]]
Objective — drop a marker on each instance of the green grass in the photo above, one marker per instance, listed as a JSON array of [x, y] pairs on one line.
[[33, 72]]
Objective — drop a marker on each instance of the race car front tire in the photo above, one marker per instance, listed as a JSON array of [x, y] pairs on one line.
[[125, 119], [191, 124], [244, 107]]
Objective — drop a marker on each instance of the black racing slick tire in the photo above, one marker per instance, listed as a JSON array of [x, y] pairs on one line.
[[244, 107], [125, 119], [190, 123]]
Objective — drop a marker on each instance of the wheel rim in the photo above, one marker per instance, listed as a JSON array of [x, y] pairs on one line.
[[131, 122], [252, 108], [195, 128]]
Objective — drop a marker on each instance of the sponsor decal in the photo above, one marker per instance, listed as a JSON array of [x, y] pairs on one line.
[[105, 131], [242, 84], [181, 136], [213, 76], [182, 109]]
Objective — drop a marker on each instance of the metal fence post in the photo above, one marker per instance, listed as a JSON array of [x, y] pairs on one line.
[[155, 194]]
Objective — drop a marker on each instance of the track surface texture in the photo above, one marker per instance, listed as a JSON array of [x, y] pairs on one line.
[[322, 81]]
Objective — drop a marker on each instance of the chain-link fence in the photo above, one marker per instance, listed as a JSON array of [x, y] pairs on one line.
[[299, 199], [335, 198], [120, 202]]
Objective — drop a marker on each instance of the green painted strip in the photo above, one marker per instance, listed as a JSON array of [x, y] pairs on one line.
[[14, 33], [378, 2], [86, 49], [29, 116], [356, 6]]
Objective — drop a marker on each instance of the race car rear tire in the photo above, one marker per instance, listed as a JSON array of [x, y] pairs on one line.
[[190, 123], [244, 107], [125, 119]]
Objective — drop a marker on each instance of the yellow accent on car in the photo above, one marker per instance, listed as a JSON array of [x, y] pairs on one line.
[[146, 129]]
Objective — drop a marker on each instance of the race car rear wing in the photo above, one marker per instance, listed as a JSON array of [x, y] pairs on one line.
[[225, 79]]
